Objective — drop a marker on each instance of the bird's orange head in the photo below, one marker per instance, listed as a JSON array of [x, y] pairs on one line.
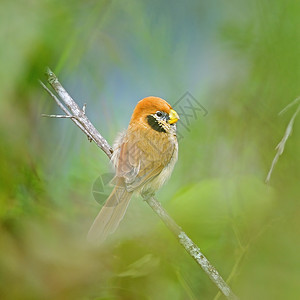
[[155, 112]]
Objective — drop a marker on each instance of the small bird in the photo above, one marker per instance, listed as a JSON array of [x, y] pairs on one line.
[[144, 157]]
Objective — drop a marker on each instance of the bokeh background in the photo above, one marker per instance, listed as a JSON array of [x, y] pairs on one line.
[[239, 59]]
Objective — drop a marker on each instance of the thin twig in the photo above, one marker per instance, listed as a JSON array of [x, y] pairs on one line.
[[289, 106], [58, 116], [84, 123], [55, 99], [87, 127], [65, 110], [288, 132], [193, 250]]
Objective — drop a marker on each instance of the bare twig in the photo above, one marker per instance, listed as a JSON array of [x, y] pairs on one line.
[[65, 110], [289, 106], [85, 125], [191, 248], [288, 132], [55, 99], [78, 117], [58, 116]]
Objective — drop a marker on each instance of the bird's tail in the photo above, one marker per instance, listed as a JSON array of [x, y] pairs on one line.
[[110, 215]]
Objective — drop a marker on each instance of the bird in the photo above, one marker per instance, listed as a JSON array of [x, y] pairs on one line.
[[144, 157]]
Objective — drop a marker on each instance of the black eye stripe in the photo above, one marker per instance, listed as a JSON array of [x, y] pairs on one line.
[[154, 124]]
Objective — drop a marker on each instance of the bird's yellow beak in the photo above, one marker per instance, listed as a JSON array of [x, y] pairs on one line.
[[173, 116]]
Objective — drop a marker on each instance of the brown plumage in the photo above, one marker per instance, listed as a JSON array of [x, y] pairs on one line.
[[144, 157]]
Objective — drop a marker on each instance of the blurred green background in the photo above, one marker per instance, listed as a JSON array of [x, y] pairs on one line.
[[239, 59]]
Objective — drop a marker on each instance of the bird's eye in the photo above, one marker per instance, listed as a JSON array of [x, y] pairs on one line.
[[159, 113]]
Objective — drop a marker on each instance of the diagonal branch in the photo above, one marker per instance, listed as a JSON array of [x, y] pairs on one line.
[[192, 249], [78, 116], [288, 132]]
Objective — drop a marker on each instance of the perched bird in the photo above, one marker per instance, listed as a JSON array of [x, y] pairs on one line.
[[144, 157]]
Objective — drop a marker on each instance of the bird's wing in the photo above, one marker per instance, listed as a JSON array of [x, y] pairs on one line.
[[140, 160]]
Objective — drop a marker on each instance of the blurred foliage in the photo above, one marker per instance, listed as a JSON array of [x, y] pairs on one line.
[[239, 59]]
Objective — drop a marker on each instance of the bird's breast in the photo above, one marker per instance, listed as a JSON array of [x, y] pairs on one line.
[[145, 158]]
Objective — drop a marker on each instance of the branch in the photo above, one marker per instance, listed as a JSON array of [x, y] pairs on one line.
[[78, 116], [288, 132], [192, 249]]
